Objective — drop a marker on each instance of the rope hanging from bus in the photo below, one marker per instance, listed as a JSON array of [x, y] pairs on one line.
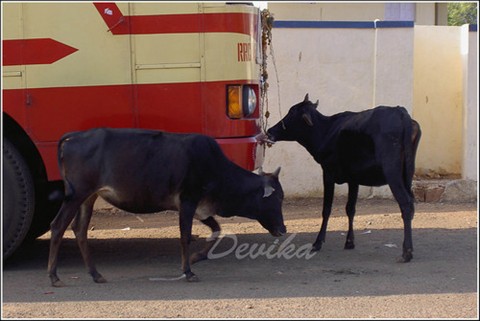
[[267, 25]]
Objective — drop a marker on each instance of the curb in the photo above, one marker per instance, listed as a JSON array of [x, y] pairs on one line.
[[438, 190]]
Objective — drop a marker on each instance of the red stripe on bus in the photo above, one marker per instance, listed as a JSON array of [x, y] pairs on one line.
[[119, 24]]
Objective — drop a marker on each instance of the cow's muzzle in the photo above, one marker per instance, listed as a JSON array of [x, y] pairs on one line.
[[270, 136], [265, 139], [279, 231], [270, 140]]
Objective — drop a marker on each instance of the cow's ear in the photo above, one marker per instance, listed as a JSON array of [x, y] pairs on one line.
[[316, 104], [306, 98], [268, 190], [308, 119]]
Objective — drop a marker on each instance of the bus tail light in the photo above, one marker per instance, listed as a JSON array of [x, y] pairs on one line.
[[241, 101]]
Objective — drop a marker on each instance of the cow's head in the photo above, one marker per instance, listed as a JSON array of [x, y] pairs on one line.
[[296, 123], [270, 211]]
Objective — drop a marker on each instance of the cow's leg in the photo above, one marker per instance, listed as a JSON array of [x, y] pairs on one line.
[[58, 226], [187, 211], [203, 254], [329, 188], [405, 200], [350, 209], [80, 228], [407, 208]]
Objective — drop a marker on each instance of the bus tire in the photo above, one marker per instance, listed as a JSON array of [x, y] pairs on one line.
[[18, 198], [45, 209]]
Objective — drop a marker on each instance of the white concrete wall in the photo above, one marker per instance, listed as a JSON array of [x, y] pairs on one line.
[[394, 70], [438, 99], [469, 50], [427, 13], [337, 67], [324, 11]]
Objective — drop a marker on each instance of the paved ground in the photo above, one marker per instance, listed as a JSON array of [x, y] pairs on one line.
[[440, 282]]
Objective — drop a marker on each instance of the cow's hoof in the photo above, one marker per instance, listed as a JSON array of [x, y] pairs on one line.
[[192, 277], [100, 279], [58, 284], [349, 245], [316, 247], [97, 277], [406, 257], [197, 257]]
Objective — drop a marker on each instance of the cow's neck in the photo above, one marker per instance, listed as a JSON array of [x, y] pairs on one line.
[[312, 140], [234, 196]]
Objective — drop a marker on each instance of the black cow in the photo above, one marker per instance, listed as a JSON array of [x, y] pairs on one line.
[[373, 147], [144, 171]]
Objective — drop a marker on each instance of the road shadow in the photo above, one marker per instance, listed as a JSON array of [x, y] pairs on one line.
[[445, 261]]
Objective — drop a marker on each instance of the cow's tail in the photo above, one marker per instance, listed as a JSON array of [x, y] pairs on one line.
[[68, 187], [411, 138]]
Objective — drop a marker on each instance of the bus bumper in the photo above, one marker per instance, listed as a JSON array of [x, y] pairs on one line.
[[246, 152]]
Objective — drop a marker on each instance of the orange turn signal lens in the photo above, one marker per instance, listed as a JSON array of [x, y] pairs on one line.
[[234, 102]]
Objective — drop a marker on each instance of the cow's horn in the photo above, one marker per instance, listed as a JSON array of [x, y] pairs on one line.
[[260, 171], [277, 171], [306, 97]]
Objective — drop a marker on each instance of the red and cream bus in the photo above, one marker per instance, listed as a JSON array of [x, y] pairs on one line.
[[179, 67]]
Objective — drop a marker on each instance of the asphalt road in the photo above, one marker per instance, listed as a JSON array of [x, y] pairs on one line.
[[440, 282]]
